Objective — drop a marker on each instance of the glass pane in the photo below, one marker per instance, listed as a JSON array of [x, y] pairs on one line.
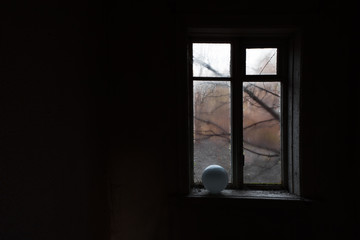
[[262, 132], [211, 59], [212, 126], [261, 61]]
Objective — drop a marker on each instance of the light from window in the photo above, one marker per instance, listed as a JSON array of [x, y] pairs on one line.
[[211, 60], [217, 112], [212, 126], [262, 132], [261, 61]]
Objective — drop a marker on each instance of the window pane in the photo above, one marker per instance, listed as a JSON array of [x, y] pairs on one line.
[[262, 132], [211, 59], [261, 61], [212, 126]]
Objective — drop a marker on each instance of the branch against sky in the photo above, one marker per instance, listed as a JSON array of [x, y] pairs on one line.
[[219, 131], [226, 135], [213, 125], [270, 110]]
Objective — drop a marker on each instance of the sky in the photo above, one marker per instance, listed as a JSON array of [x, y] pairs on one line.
[[217, 55]]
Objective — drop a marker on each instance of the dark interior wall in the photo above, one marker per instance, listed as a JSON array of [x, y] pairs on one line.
[[142, 133], [52, 178], [91, 123]]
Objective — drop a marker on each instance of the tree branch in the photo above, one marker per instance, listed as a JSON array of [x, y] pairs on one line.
[[261, 154], [204, 64], [267, 63], [261, 147], [277, 95], [211, 123], [254, 124], [251, 94], [262, 104]]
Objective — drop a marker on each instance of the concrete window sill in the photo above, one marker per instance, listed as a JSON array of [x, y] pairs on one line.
[[246, 194]]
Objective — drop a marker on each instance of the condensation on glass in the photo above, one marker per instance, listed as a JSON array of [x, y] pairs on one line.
[[211, 59], [212, 126], [261, 61], [262, 132]]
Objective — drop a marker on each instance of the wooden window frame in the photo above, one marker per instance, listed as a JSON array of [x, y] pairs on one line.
[[287, 41]]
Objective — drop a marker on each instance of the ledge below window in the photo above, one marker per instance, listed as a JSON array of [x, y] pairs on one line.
[[247, 194]]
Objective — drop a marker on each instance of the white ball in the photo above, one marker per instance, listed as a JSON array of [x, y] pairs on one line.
[[215, 178]]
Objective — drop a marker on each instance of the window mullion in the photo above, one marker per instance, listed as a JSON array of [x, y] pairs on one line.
[[238, 58]]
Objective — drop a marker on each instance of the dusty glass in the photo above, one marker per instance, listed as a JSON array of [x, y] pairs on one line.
[[261, 61], [211, 59], [262, 132], [212, 126]]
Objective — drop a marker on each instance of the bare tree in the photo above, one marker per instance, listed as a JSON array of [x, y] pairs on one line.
[[212, 126]]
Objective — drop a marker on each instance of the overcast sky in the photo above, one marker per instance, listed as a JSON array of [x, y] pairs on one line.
[[217, 55]]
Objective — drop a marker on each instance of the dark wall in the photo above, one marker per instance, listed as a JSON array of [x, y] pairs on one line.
[[51, 165], [92, 115]]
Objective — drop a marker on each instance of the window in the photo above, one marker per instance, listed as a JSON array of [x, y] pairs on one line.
[[245, 109]]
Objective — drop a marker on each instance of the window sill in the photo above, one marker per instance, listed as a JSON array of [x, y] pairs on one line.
[[197, 193]]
